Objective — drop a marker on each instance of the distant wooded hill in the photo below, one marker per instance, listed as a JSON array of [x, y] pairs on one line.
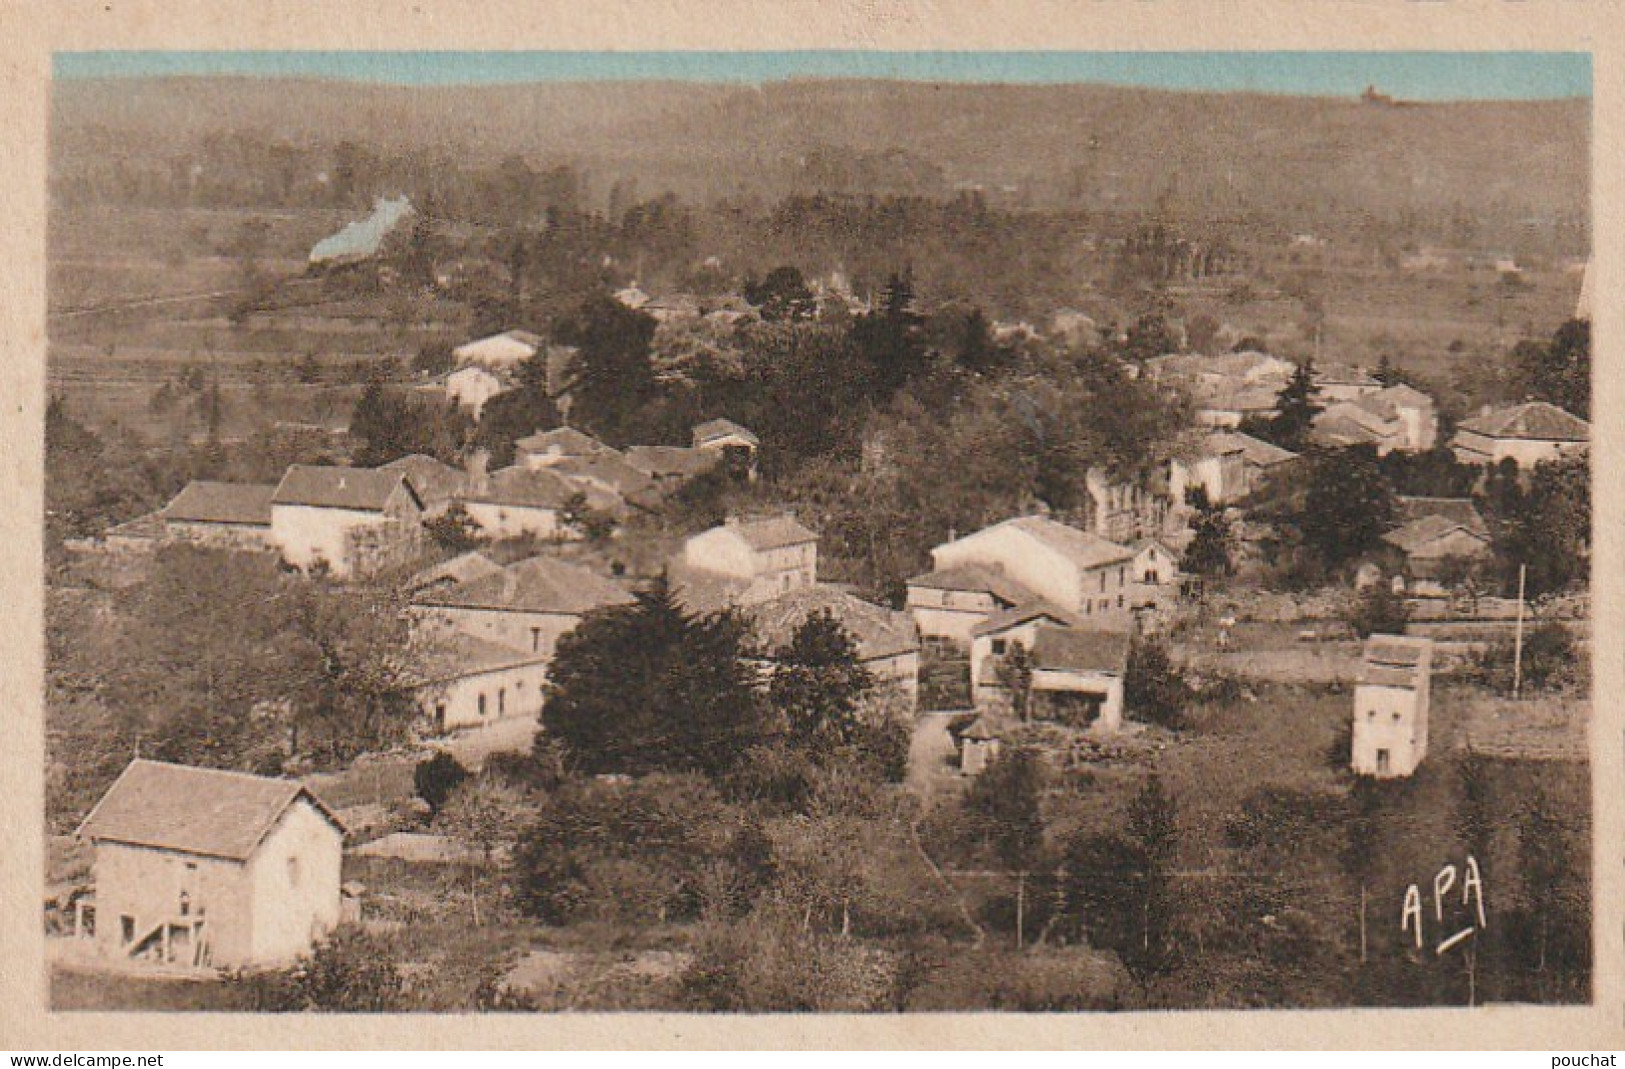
[[1088, 147]]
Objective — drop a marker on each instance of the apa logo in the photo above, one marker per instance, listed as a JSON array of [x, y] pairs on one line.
[[1412, 918]]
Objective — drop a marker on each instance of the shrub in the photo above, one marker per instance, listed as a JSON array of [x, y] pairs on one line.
[[349, 972], [1377, 610], [1154, 689], [436, 777]]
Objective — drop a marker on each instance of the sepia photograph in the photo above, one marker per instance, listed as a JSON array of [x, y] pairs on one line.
[[834, 531]]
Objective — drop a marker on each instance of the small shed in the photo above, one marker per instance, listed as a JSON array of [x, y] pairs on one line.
[[978, 746]]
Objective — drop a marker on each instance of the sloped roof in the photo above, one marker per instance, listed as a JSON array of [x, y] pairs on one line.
[[877, 631], [1065, 649], [363, 238], [1037, 609], [607, 469], [1261, 453], [537, 584], [509, 347], [1344, 375], [446, 654], [979, 730], [772, 533], [1418, 534], [214, 502], [566, 441], [1460, 509], [1246, 399], [1387, 401], [713, 429], [362, 489], [194, 810], [1083, 548], [657, 461], [975, 578], [523, 488], [1532, 420], [1395, 660], [1345, 424], [434, 481], [463, 568]]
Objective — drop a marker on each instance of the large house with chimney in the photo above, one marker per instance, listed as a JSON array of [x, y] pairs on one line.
[[526, 606]]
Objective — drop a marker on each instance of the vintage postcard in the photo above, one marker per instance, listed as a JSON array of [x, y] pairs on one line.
[[1088, 535]]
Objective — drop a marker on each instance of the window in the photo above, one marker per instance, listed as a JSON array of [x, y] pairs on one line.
[[998, 647], [1122, 574], [1119, 601], [126, 928], [482, 705], [1102, 582], [293, 872], [1088, 607], [502, 701], [535, 640]]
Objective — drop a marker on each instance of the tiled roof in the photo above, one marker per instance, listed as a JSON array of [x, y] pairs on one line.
[[1533, 420], [1344, 375], [566, 441], [445, 655], [194, 810], [606, 469], [1460, 509], [211, 502], [1418, 534], [877, 631], [763, 535], [1083, 548], [522, 488], [1395, 660], [657, 461], [537, 584], [1024, 613], [362, 489], [434, 481], [1261, 453], [977, 579], [1387, 402], [460, 569], [1071, 650]]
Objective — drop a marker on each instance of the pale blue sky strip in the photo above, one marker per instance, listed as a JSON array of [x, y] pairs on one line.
[[1406, 75]]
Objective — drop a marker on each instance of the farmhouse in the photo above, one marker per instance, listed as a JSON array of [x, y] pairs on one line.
[[610, 475], [499, 352], [1340, 382], [349, 520], [1156, 564], [886, 641], [1217, 464], [994, 638], [466, 682], [1391, 706], [765, 557], [1396, 418], [462, 568], [527, 606], [671, 465], [1526, 434], [473, 385], [1077, 676], [438, 485], [1075, 570], [546, 448], [948, 604], [200, 867], [516, 501], [221, 515], [728, 438], [1433, 532], [1230, 408]]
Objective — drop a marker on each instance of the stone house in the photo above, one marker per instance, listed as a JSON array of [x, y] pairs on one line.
[[1525, 434], [994, 638], [201, 867], [1078, 571], [1217, 464], [473, 385], [886, 642], [546, 448], [671, 465], [1077, 675], [1430, 533], [766, 557], [467, 682], [728, 438], [948, 604], [528, 606], [353, 521], [1391, 702], [438, 485], [519, 501], [220, 515]]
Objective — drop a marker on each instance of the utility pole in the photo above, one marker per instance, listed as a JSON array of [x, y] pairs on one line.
[[1517, 640]]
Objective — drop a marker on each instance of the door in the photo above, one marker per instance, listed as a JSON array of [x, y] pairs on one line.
[[1382, 762]]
